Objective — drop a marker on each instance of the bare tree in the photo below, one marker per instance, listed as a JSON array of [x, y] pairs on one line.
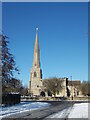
[[85, 87], [53, 85]]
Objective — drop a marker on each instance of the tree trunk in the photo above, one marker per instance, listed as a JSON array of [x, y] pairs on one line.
[[54, 95]]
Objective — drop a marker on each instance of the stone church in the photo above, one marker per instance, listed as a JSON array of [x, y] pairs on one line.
[[36, 86]]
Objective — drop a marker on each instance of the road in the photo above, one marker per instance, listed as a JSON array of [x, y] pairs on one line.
[[43, 113]]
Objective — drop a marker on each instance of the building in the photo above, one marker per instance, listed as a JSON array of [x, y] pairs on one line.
[[74, 88], [36, 86], [35, 82], [62, 91]]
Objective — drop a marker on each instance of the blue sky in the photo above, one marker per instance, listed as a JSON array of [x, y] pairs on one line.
[[62, 36]]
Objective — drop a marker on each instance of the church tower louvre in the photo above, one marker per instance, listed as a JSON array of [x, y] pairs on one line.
[[35, 82]]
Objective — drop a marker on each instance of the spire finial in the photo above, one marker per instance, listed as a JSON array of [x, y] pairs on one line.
[[36, 30]]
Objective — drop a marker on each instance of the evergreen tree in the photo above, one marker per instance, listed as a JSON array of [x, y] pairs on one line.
[[7, 62]]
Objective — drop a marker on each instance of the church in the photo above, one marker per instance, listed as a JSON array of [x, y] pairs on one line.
[[36, 86]]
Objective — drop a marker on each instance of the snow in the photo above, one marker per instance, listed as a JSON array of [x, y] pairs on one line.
[[22, 107], [14, 93], [79, 110], [63, 114]]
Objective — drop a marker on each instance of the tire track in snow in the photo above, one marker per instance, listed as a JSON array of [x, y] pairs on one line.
[[62, 114]]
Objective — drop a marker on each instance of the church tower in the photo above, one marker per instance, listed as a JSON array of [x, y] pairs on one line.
[[35, 82]]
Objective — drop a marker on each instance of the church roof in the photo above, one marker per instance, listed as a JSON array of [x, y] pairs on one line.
[[74, 82]]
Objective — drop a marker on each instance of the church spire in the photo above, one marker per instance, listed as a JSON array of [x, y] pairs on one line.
[[36, 60], [35, 82], [36, 41]]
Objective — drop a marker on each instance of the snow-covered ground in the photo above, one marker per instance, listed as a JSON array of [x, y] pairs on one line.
[[79, 110], [22, 107]]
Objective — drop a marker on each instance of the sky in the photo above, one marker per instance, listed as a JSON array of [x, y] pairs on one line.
[[62, 36]]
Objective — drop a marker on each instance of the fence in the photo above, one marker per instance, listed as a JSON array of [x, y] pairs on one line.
[[10, 99]]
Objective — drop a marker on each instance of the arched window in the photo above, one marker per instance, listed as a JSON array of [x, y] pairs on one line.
[[49, 93], [42, 94], [77, 92], [35, 75]]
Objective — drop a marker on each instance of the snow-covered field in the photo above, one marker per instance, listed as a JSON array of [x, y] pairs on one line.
[[79, 110], [22, 107]]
